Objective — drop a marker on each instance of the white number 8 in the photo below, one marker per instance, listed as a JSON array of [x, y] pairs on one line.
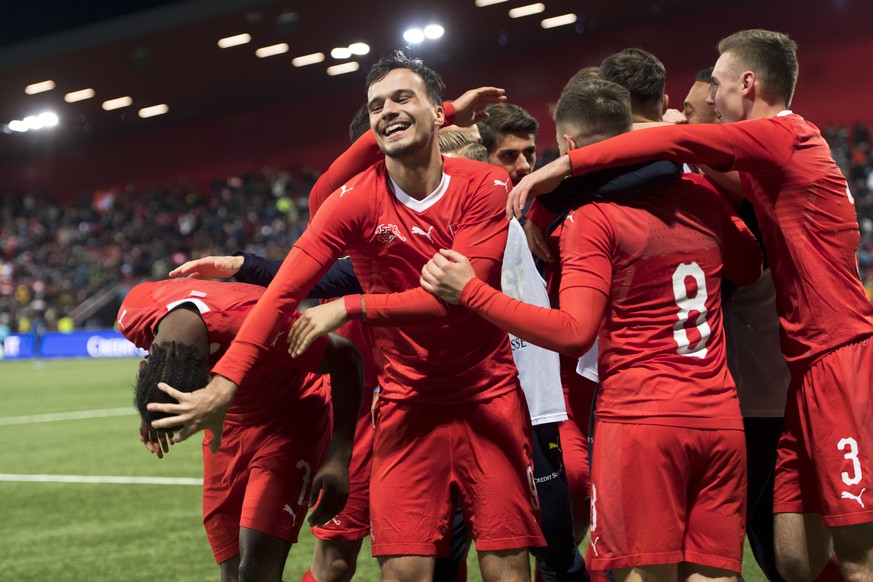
[[686, 306]]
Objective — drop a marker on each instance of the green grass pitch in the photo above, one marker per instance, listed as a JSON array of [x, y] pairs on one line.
[[99, 531]]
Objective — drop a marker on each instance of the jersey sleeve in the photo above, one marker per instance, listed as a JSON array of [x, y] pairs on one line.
[[361, 155], [744, 146], [480, 236], [587, 243], [570, 331]]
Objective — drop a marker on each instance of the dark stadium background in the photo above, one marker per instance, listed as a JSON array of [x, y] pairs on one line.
[[232, 112]]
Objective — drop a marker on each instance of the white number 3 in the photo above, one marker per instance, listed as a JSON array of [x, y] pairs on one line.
[[852, 455], [688, 304]]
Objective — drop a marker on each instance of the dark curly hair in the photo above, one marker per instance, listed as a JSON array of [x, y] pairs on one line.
[[182, 366]]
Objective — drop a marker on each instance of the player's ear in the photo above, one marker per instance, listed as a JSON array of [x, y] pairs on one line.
[[666, 103], [439, 116], [571, 143], [747, 82]]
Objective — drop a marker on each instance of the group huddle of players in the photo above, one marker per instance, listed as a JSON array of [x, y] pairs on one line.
[[459, 385]]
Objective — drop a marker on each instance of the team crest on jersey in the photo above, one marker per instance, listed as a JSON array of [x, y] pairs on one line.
[[385, 233]]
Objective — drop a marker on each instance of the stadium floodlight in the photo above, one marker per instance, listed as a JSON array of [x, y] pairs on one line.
[[153, 110], [309, 59], [341, 53], [483, 3], [344, 68], [359, 48], [414, 36], [49, 119], [79, 95], [434, 31], [33, 122], [117, 103], [235, 40], [272, 50], [18, 125], [556, 21], [527, 10], [40, 87]]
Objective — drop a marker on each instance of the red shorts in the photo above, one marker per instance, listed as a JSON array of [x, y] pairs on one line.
[[578, 395], [825, 454], [664, 495], [353, 522], [427, 456], [260, 479]]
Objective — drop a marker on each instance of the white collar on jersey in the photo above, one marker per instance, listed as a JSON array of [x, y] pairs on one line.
[[427, 201], [784, 112]]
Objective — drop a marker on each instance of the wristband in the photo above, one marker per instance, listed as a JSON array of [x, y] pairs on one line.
[[355, 307]]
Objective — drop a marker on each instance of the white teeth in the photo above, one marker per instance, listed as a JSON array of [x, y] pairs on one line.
[[394, 127]]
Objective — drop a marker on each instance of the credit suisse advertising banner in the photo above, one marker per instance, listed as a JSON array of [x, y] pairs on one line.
[[76, 344]]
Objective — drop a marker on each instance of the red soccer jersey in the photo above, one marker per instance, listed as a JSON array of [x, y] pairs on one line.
[[278, 387], [658, 258], [439, 353], [806, 213]]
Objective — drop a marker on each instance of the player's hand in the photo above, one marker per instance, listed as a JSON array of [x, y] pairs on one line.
[[157, 443], [536, 184], [332, 483], [674, 116], [203, 409], [470, 107], [209, 268], [536, 241], [446, 274], [314, 322]]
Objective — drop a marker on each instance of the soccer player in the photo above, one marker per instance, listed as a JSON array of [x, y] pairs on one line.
[[278, 452], [450, 420], [650, 269], [810, 231], [510, 136], [338, 541]]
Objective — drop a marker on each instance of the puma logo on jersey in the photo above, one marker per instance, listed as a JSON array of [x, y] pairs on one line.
[[385, 233], [344, 189], [553, 446], [504, 184], [292, 513], [847, 495], [416, 230]]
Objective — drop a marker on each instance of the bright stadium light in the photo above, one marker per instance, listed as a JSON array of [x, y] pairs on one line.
[[49, 119], [310, 59], [235, 40], [434, 31], [153, 110], [414, 36], [18, 125], [359, 48], [117, 103], [79, 95], [341, 53], [33, 122], [40, 87], [483, 3], [528, 10], [556, 21], [272, 50], [343, 68]]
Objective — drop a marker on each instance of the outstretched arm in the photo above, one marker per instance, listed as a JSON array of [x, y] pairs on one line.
[[570, 330]]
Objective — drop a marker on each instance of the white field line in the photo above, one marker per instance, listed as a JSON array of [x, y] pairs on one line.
[[78, 415], [100, 479]]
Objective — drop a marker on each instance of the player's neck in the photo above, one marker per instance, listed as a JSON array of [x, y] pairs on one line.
[[761, 109], [184, 326], [419, 174]]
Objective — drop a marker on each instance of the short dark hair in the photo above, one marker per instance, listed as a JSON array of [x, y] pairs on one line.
[[704, 75], [771, 55], [360, 123], [582, 75], [596, 107], [505, 118], [640, 72], [433, 83], [182, 366]]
